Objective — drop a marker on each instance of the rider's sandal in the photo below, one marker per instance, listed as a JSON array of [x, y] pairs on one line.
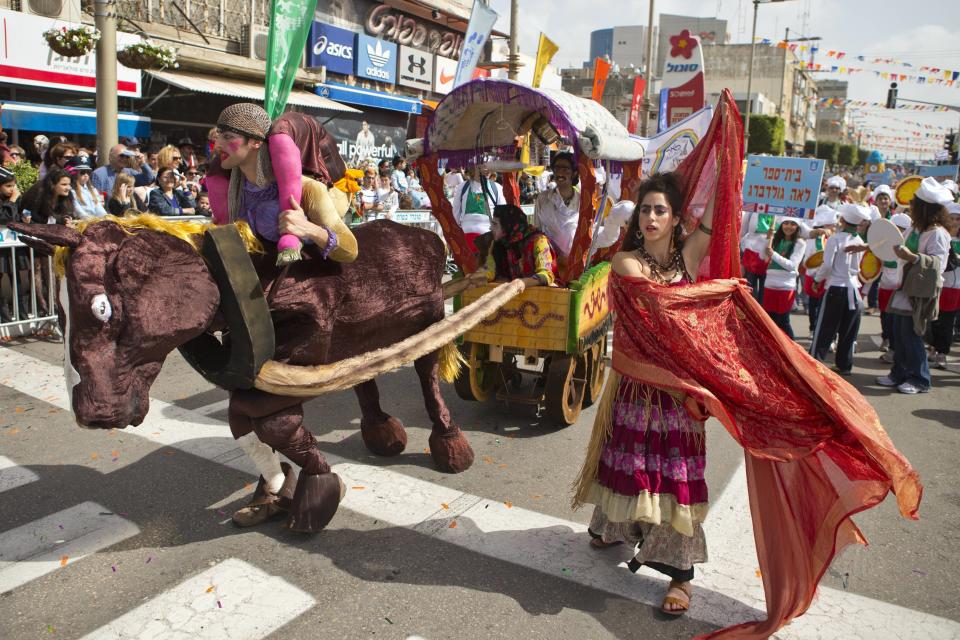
[[678, 596]]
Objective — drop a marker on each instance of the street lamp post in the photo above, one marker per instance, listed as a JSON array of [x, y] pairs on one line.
[[105, 18], [753, 51], [645, 106]]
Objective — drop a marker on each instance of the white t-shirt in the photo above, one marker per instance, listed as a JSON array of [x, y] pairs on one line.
[[476, 222], [933, 242], [785, 278]]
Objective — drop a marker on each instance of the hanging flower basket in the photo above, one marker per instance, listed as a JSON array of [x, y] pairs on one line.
[[72, 43], [147, 55]]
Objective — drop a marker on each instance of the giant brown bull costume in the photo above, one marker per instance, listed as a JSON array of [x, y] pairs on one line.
[[134, 289]]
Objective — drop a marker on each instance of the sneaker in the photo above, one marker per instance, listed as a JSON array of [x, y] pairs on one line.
[[939, 361], [886, 381], [887, 357], [911, 389], [840, 372], [885, 346]]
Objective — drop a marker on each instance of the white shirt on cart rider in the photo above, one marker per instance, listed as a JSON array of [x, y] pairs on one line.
[[476, 222]]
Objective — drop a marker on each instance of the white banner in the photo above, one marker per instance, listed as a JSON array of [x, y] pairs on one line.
[[482, 19], [668, 148]]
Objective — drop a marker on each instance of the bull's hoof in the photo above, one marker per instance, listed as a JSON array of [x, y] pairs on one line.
[[264, 505], [451, 452], [315, 502], [384, 437]]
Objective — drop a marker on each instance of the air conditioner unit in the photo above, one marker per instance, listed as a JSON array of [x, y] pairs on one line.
[[254, 42], [61, 9]]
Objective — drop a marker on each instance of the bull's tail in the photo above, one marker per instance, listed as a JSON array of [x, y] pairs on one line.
[[451, 360]]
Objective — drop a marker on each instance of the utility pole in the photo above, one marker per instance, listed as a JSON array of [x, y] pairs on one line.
[[645, 107], [749, 106], [105, 19], [513, 59]]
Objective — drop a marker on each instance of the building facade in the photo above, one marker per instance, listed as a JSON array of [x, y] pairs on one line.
[[777, 75], [832, 124], [625, 46]]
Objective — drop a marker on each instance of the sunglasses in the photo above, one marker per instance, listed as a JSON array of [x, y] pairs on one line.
[[178, 157]]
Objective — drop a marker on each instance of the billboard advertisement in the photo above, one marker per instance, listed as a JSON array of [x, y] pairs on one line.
[[376, 59], [331, 47], [683, 78]]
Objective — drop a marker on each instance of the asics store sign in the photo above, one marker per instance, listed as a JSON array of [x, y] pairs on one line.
[[331, 47], [376, 59]]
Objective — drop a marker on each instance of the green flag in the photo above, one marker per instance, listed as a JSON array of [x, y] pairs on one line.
[[289, 24]]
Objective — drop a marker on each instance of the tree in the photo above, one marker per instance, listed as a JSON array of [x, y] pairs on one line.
[[828, 151], [26, 175], [862, 156], [847, 155], [809, 147], [766, 135]]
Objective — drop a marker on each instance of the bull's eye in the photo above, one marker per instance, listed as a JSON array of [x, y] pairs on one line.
[[101, 307]]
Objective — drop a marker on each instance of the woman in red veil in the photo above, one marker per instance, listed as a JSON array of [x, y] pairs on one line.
[[692, 343]]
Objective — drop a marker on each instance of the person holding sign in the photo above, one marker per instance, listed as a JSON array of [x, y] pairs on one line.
[[890, 276], [914, 305], [785, 251], [842, 305]]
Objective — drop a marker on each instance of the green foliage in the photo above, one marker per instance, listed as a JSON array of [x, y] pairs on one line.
[[847, 155], [828, 151], [26, 175], [766, 135], [862, 156]]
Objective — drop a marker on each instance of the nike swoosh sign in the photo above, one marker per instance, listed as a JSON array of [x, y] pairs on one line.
[[444, 78]]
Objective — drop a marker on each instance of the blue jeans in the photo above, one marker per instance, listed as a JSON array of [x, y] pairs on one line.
[[873, 295], [909, 354]]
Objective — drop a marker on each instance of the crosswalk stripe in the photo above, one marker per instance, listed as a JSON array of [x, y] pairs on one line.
[[727, 588], [233, 600], [13, 475], [39, 547]]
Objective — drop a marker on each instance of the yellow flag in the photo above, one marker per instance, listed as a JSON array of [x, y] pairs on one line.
[[545, 51]]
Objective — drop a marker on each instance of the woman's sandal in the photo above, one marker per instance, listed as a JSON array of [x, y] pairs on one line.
[[678, 596]]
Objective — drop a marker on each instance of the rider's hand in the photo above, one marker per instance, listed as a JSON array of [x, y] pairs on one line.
[[294, 221]]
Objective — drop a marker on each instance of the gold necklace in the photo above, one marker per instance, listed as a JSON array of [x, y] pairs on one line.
[[658, 271]]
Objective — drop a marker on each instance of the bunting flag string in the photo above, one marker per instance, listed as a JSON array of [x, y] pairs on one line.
[[842, 102]]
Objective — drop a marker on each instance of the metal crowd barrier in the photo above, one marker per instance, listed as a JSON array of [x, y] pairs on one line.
[[27, 288]]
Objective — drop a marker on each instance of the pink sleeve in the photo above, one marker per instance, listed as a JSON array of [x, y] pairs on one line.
[[287, 168], [217, 188]]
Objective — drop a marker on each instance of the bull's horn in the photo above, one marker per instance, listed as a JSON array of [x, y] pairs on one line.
[[309, 381]]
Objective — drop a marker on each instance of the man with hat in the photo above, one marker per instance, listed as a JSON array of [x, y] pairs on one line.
[[825, 220], [941, 330], [842, 304], [259, 172], [833, 198], [926, 254], [890, 275]]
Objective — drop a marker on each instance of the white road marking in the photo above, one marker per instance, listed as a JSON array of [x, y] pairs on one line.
[[39, 547], [230, 601], [728, 591], [13, 475], [216, 407]]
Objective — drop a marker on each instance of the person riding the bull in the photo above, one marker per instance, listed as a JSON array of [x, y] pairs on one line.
[[279, 178]]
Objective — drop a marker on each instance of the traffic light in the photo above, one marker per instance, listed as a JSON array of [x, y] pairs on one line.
[[950, 144], [892, 96]]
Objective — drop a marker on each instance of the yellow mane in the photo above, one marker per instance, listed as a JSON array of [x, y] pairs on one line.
[[190, 231]]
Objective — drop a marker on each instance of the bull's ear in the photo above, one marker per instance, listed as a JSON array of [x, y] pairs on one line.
[[51, 234]]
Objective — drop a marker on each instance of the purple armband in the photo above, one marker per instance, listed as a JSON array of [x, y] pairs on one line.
[[331, 244]]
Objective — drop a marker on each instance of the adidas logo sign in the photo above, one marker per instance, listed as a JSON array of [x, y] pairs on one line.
[[378, 56]]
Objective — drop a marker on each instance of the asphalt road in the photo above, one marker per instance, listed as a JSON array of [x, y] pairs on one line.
[[127, 534]]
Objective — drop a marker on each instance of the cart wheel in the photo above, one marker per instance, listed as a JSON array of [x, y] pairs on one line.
[[598, 367], [566, 379], [479, 377]]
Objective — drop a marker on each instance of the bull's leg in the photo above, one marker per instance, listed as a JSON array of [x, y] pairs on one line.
[[382, 433], [318, 491], [449, 448]]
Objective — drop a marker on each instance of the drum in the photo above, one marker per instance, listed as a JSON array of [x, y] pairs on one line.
[[870, 267], [814, 261], [883, 236], [903, 192]]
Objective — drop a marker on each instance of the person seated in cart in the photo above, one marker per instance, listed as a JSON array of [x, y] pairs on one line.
[[519, 250], [557, 210]]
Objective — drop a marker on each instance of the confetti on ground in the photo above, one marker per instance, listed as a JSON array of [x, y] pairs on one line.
[[453, 524], [168, 453], [94, 456], [19, 410], [114, 568], [388, 619], [426, 450], [13, 432], [508, 505], [758, 574], [63, 560], [536, 497], [444, 505], [566, 571], [502, 466], [358, 488], [249, 485], [210, 589], [50, 629], [60, 525], [148, 560], [488, 459], [221, 512], [115, 453], [219, 606]]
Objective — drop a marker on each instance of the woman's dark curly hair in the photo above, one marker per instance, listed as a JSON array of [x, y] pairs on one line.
[[671, 185], [926, 215]]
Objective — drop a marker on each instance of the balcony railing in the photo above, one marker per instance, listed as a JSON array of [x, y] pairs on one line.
[[226, 19]]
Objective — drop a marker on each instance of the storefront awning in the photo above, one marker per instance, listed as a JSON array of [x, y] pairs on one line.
[[245, 90], [370, 98], [75, 120]]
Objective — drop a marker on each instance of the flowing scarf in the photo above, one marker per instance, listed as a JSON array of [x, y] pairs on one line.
[[815, 450]]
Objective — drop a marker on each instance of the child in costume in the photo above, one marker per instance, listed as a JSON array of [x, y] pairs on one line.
[[287, 150]]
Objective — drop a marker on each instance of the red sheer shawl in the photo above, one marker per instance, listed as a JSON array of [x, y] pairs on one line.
[[815, 450]]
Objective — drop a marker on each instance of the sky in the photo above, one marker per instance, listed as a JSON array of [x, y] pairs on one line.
[[921, 32]]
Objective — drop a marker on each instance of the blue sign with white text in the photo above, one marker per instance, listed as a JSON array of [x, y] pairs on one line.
[[783, 182], [942, 171], [376, 59], [331, 47]]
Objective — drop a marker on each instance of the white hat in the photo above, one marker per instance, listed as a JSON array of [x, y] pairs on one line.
[[902, 220], [933, 192], [838, 182], [824, 216], [950, 184], [953, 209], [854, 213], [883, 188]]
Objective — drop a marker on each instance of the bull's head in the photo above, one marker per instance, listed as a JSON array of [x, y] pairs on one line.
[[125, 302]]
